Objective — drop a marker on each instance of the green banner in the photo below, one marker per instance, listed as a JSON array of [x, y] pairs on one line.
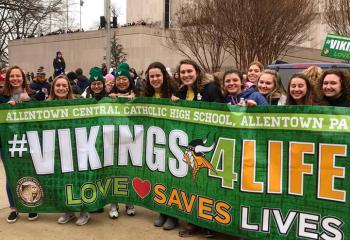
[[267, 172], [336, 47]]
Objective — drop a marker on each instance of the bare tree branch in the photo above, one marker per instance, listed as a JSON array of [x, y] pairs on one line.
[[337, 16], [196, 36]]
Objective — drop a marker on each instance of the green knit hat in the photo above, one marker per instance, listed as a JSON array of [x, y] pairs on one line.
[[96, 74], [123, 70]]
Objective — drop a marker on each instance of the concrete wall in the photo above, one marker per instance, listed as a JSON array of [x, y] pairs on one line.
[[147, 10], [142, 44], [78, 49]]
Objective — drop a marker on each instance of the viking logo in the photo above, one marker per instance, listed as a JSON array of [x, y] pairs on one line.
[[29, 191], [194, 156]]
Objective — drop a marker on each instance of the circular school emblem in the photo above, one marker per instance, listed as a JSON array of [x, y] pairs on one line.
[[29, 192]]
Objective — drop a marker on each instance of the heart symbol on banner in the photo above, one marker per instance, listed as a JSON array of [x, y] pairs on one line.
[[142, 188]]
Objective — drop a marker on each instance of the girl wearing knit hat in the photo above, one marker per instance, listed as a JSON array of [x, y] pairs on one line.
[[124, 86], [96, 89], [110, 82]]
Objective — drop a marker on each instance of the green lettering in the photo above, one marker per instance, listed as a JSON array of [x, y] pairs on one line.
[[88, 193], [223, 161], [120, 186], [70, 197], [104, 188]]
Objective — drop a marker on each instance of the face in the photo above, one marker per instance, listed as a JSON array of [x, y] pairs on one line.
[[61, 88], [233, 84], [253, 74], [2, 87], [122, 83], [297, 88], [332, 86], [40, 77], [16, 78], [188, 74], [110, 83], [97, 86], [266, 84], [155, 78]]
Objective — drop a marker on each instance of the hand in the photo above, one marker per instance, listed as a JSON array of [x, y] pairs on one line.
[[113, 95], [250, 103], [174, 98], [131, 96], [13, 103]]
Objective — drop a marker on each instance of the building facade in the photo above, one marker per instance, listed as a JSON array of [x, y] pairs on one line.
[[143, 44]]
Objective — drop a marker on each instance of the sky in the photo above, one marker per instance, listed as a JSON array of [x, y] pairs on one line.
[[92, 10]]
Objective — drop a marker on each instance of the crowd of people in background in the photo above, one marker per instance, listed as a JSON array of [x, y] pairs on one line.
[[256, 86], [65, 31]]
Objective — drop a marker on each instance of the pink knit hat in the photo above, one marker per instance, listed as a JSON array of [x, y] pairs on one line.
[[109, 77]]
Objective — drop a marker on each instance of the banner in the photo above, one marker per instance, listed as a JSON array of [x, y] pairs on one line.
[[336, 47], [262, 172]]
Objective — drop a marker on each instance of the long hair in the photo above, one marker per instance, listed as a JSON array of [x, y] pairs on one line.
[[8, 87], [198, 85], [278, 90], [53, 96], [344, 80], [168, 86], [309, 98]]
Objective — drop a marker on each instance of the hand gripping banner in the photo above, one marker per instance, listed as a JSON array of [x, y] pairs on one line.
[[265, 172]]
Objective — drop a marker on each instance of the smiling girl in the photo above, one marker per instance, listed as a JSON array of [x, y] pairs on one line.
[[158, 82], [96, 88], [270, 86], [16, 91], [16, 88], [124, 85], [334, 86], [300, 91], [233, 85], [254, 71], [61, 89], [160, 85], [195, 87]]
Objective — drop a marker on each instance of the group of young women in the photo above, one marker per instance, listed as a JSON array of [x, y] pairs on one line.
[[259, 87]]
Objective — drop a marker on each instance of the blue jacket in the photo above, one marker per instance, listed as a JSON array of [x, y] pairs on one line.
[[250, 93]]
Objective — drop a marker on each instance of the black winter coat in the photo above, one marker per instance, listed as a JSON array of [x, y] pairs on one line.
[[210, 93]]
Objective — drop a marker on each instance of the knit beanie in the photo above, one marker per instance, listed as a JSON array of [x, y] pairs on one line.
[[122, 70], [96, 74], [40, 71], [109, 77]]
